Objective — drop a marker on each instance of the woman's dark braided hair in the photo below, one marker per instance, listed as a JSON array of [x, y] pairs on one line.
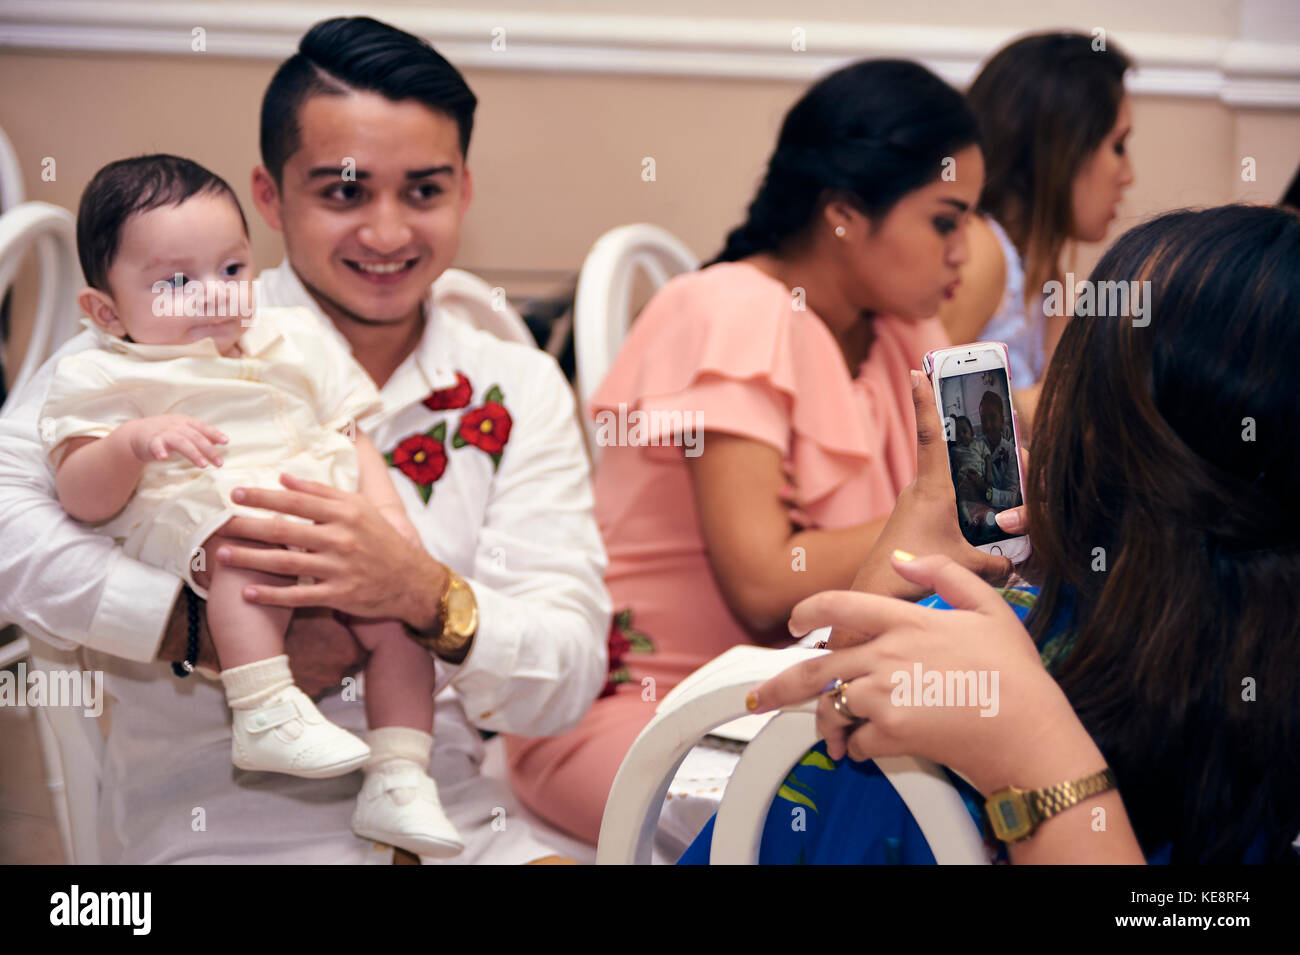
[[868, 133]]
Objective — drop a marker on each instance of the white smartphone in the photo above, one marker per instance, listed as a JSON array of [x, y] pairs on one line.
[[972, 389]]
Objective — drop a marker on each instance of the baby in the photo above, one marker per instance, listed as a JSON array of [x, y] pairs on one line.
[[186, 399], [971, 458]]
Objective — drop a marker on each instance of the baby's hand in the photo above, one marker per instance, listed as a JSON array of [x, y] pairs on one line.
[[156, 437]]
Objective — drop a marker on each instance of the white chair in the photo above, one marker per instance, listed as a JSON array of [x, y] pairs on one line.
[[70, 743], [602, 304], [716, 694], [11, 175], [481, 305], [72, 749], [51, 231]]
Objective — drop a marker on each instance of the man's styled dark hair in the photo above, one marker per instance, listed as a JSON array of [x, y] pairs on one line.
[[358, 54], [130, 186]]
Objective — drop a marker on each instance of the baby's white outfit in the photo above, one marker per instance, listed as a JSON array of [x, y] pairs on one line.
[[281, 403], [970, 457]]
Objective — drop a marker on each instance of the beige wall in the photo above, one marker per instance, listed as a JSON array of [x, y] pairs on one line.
[[557, 156]]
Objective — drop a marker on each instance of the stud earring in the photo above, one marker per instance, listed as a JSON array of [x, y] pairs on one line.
[[841, 231]]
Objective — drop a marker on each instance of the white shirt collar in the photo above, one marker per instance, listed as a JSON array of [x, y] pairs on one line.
[[257, 337], [429, 367]]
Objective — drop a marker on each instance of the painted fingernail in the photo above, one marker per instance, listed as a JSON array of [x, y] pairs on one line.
[[903, 556], [1009, 521], [237, 494], [751, 702]]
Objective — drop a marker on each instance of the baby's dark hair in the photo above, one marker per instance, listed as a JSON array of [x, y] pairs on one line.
[[130, 186]]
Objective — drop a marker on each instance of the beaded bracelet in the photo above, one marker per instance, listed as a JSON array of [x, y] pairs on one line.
[[186, 666]]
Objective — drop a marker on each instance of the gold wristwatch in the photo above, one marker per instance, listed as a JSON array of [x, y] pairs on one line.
[[1015, 813], [458, 615]]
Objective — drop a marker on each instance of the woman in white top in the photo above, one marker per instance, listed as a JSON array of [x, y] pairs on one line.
[[1053, 119]]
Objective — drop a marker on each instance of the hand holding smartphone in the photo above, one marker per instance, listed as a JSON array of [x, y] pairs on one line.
[[972, 389]]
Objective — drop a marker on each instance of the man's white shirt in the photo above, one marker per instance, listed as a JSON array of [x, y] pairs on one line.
[[1006, 485], [515, 522]]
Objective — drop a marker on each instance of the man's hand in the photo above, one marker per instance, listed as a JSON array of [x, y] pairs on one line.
[[322, 651], [395, 514], [361, 565]]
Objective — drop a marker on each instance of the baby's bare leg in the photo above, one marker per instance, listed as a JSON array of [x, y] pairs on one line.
[[242, 632], [275, 727], [399, 676]]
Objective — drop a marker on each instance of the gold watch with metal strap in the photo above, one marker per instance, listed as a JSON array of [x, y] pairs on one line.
[[1015, 813], [458, 616]]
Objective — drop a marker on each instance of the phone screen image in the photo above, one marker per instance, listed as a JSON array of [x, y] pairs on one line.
[[981, 451]]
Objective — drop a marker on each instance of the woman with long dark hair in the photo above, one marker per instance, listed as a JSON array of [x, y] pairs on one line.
[[1163, 633], [1054, 121], [765, 398]]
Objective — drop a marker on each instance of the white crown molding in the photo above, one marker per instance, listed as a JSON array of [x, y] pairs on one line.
[[1237, 72]]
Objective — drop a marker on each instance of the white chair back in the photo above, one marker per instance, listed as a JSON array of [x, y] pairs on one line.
[[483, 306], [715, 694], [602, 304], [12, 191], [51, 230]]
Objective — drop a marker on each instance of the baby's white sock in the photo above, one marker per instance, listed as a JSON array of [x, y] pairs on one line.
[[389, 744], [398, 747], [252, 684]]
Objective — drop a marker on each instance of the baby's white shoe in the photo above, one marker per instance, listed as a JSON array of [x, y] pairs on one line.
[[288, 734], [400, 807]]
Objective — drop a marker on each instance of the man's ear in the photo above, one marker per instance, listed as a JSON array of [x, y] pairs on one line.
[[466, 192], [266, 196], [99, 306]]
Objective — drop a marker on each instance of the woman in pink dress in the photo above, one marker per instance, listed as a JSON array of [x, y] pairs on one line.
[[759, 418]]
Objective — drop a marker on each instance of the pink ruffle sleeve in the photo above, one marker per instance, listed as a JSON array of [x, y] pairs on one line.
[[727, 345]]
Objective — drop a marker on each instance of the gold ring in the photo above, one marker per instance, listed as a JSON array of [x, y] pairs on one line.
[[841, 704]]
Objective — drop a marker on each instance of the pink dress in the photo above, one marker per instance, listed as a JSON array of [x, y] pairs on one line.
[[728, 345]]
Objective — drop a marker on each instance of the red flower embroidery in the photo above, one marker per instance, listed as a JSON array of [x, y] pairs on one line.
[[422, 458], [457, 396], [619, 645], [622, 641], [486, 427]]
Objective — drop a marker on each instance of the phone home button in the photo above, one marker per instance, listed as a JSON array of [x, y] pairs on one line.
[[995, 550]]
